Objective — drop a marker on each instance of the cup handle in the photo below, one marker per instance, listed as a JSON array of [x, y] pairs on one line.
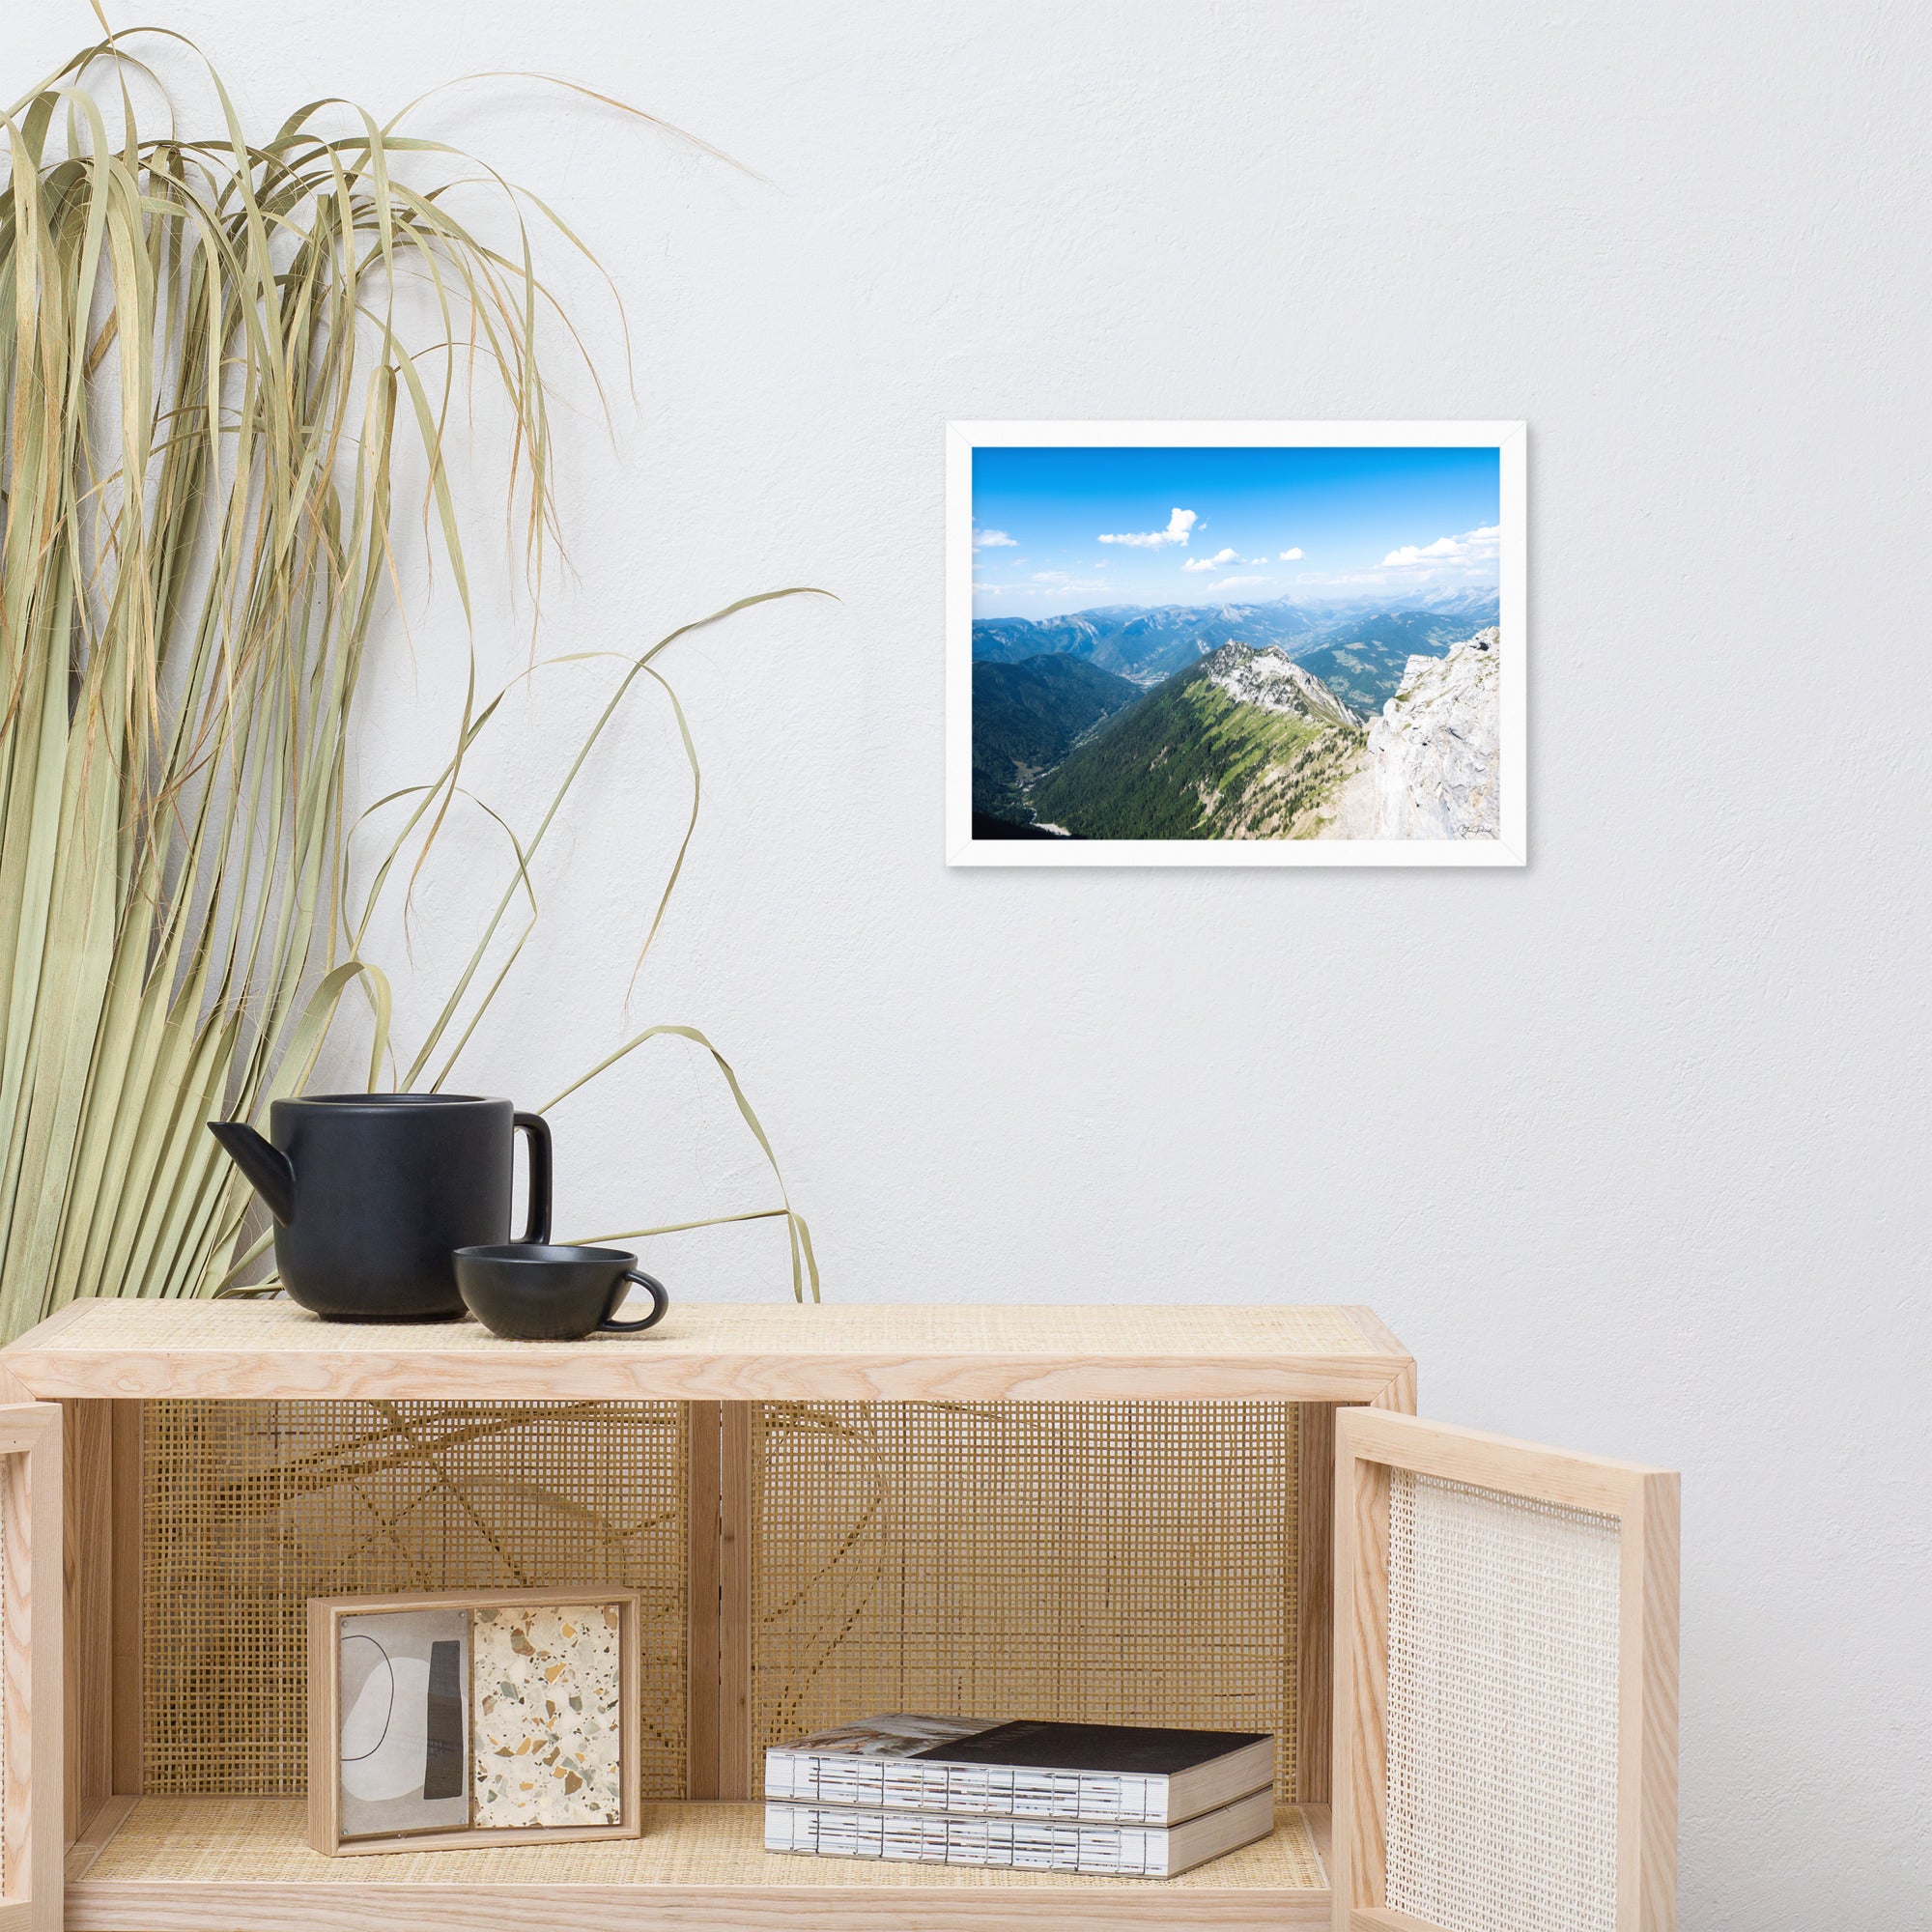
[[659, 1301], [537, 1230]]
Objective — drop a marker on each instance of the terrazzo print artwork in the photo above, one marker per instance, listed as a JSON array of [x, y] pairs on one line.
[[548, 1726]]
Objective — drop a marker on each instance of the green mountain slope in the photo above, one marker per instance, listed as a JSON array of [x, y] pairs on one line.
[[1026, 717], [1242, 745]]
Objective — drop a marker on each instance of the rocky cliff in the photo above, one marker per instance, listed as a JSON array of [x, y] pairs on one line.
[[1266, 678], [1435, 750]]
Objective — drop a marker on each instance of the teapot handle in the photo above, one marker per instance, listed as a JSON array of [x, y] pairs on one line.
[[537, 1228]]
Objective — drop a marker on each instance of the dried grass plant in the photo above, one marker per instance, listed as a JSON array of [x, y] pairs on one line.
[[211, 386]]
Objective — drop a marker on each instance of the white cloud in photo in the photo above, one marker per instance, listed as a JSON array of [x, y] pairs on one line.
[[991, 539], [1180, 527], [1219, 561], [1468, 560], [1057, 584], [1472, 547], [1291, 556], [1239, 582]]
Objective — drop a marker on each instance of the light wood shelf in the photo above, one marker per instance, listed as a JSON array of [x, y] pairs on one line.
[[730, 1353], [240, 1864]]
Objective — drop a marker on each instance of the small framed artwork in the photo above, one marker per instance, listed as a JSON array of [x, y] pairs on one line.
[[1248, 643], [483, 1717]]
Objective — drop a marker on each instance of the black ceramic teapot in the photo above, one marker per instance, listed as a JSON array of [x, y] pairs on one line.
[[373, 1192]]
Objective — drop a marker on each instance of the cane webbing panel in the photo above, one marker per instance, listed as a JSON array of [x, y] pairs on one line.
[[1502, 1710], [1131, 1562], [251, 1508], [209, 1842]]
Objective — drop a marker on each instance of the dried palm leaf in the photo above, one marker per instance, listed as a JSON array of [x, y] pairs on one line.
[[209, 380]]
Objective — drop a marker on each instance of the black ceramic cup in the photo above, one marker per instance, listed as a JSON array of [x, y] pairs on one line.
[[530, 1291]]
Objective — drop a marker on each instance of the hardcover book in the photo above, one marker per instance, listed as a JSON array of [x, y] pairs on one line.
[[1102, 1774]]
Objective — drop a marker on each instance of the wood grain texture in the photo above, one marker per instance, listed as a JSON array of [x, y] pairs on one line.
[[1496, 1461], [323, 1810], [1316, 1650], [87, 1432], [32, 1673], [696, 1867], [1358, 1870], [1385, 1919], [1321, 1822], [124, 1668], [1647, 1739], [95, 1834], [704, 1422], [1398, 1394], [112, 1906], [735, 1352], [1369, 1442], [1375, 1332], [737, 1776]]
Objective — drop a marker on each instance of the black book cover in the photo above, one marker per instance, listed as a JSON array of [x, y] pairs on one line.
[[1098, 1747]]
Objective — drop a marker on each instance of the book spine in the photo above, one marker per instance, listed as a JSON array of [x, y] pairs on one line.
[[1007, 1791], [1021, 1844]]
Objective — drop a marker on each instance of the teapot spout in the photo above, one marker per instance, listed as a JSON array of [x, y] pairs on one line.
[[266, 1166]]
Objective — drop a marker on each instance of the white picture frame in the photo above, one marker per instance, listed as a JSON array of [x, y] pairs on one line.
[[1509, 848]]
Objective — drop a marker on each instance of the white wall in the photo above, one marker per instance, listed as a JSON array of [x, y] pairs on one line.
[[1628, 1147]]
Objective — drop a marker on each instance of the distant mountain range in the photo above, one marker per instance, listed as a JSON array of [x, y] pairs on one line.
[[1359, 649], [1140, 641]]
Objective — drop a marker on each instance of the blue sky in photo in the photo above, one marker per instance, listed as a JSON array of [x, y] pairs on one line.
[[1066, 530]]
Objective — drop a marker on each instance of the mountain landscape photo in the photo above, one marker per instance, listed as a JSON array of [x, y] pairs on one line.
[[1356, 696]]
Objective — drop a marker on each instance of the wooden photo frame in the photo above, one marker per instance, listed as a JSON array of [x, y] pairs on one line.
[[470, 1655]]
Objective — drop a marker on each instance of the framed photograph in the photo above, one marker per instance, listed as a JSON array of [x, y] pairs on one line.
[[1252, 643], [483, 1717]]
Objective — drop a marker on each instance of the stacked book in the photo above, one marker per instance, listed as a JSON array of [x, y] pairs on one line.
[[1112, 1800]]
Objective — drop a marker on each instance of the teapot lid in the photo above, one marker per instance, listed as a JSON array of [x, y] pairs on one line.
[[387, 1100]]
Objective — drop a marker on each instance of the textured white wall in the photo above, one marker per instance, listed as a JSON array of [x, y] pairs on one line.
[[1629, 1147]]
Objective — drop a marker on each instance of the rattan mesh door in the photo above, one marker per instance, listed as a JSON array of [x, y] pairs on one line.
[[31, 1822], [1506, 1685]]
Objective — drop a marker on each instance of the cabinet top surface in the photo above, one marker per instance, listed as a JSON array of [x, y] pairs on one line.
[[730, 1351]]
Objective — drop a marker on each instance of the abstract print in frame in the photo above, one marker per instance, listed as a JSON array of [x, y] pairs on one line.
[[480, 1717], [1273, 644]]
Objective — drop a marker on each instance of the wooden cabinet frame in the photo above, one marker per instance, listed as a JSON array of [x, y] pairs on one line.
[[1644, 1502], [31, 1734], [100, 1361]]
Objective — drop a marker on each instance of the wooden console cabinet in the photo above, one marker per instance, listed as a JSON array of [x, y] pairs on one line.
[[95, 1837]]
